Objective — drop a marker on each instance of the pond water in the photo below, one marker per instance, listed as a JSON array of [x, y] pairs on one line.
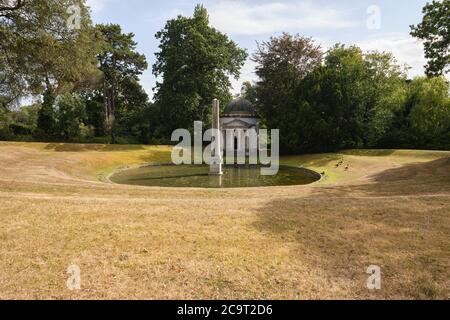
[[194, 176]]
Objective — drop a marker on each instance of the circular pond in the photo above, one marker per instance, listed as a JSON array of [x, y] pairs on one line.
[[194, 176]]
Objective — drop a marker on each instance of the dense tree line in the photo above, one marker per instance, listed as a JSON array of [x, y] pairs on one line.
[[195, 62], [347, 99], [98, 97], [87, 82]]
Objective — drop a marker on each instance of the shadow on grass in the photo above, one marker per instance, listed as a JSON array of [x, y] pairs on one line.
[[342, 236], [342, 230], [428, 178], [438, 170]]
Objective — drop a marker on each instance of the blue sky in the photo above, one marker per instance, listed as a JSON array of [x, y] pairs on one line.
[[249, 21]]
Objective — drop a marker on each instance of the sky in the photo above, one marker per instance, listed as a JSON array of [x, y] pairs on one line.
[[373, 25]]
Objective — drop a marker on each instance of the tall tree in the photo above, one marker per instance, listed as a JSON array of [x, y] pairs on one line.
[[282, 63], [46, 122], [43, 51], [429, 104], [435, 31], [10, 84], [349, 101], [195, 62], [70, 115], [4, 119], [248, 92], [120, 63]]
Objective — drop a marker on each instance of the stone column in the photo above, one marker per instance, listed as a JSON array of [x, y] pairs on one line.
[[215, 167]]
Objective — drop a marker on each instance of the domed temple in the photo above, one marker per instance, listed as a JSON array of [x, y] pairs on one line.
[[239, 116]]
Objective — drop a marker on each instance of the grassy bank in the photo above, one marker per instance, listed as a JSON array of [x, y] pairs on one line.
[[388, 208]]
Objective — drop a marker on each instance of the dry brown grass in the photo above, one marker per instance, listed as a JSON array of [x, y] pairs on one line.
[[391, 208]]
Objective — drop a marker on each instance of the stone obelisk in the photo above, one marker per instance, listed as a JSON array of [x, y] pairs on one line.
[[215, 167]]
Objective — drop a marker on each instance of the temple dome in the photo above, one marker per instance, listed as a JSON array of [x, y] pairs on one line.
[[240, 107]]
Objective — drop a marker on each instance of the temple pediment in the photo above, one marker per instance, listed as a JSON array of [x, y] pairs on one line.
[[237, 124]]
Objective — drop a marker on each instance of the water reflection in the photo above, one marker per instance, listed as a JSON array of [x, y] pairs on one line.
[[198, 177]]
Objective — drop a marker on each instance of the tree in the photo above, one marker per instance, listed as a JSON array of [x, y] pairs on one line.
[[429, 103], [423, 120], [248, 92], [283, 62], [95, 112], [10, 84], [350, 101], [25, 120], [195, 62], [46, 122], [43, 52], [4, 119], [70, 114], [435, 31], [385, 94], [132, 117], [121, 64]]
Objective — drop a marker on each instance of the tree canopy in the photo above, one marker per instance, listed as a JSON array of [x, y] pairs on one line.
[[41, 51], [434, 30], [345, 98], [194, 62], [121, 65], [85, 80]]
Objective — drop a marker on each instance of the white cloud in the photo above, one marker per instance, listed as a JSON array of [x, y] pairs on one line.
[[405, 49], [240, 18]]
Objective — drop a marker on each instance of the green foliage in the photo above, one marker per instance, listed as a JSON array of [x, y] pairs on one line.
[[46, 122], [249, 92], [86, 133], [70, 113], [24, 121], [423, 121], [121, 65], [349, 101], [4, 119], [131, 115], [89, 82], [283, 63], [195, 61], [435, 31], [95, 113], [27, 116], [430, 113], [44, 53]]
